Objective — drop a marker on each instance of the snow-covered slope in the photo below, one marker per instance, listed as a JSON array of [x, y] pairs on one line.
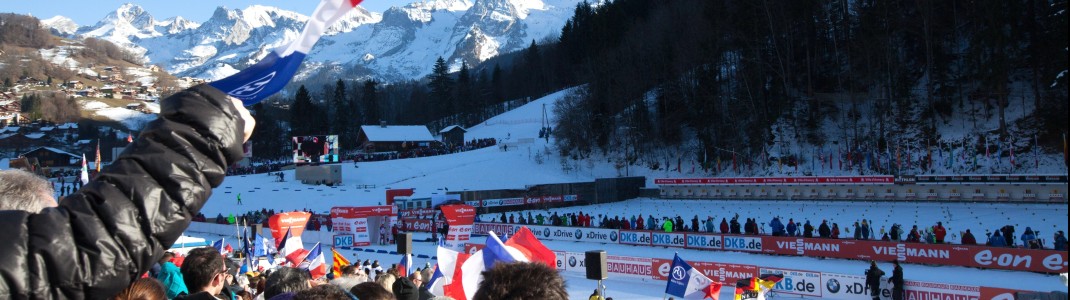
[[400, 43]]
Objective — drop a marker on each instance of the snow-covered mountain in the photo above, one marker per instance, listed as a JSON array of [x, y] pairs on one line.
[[60, 25], [400, 43]]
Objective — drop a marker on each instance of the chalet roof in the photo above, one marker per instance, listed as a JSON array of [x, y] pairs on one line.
[[50, 149], [450, 128], [397, 133]]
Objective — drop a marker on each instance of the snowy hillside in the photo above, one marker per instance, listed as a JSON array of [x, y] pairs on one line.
[[491, 168], [401, 43]]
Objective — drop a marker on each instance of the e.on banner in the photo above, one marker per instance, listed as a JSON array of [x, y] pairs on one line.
[[294, 221], [719, 272], [616, 266], [1045, 261]]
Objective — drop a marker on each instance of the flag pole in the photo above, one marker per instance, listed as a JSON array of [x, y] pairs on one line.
[[237, 230]]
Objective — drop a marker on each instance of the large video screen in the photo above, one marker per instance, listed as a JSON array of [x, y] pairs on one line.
[[315, 149]]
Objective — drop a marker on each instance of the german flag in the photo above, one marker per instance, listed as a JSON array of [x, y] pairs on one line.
[[750, 288], [746, 286], [340, 262]]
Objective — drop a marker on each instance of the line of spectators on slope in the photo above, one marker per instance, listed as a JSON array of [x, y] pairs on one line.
[[257, 167], [860, 230]]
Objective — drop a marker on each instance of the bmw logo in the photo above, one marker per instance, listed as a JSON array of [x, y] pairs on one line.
[[579, 234], [678, 273], [833, 286], [613, 236], [546, 232], [572, 261]]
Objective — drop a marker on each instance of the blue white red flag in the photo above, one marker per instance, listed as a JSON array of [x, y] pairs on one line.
[[688, 283], [436, 283], [522, 247], [262, 247], [274, 71], [315, 263], [405, 266], [221, 246]]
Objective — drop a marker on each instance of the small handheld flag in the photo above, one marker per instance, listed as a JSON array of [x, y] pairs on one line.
[[221, 246], [274, 71], [85, 171], [405, 266], [316, 264], [98, 156], [687, 282], [338, 261]]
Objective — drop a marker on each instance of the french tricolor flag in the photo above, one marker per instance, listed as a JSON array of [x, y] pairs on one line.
[[292, 248], [688, 283], [275, 70], [436, 283], [463, 273], [315, 263], [221, 246]]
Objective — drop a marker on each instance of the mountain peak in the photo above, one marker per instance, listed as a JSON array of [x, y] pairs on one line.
[[132, 14], [175, 25], [60, 24], [450, 5]]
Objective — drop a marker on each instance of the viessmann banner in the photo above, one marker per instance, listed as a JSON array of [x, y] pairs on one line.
[[777, 180], [1045, 261], [460, 217]]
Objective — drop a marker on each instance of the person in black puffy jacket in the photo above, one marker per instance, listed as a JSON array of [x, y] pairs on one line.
[[100, 239]]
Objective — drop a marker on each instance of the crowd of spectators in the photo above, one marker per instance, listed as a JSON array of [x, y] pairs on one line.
[[433, 149], [205, 273], [257, 167]]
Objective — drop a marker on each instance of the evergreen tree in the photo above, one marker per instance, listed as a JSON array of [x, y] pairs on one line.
[[465, 98], [269, 140], [441, 86], [344, 120], [302, 113], [372, 112], [497, 85]]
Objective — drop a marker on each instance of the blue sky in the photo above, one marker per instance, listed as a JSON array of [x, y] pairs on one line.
[[89, 12]]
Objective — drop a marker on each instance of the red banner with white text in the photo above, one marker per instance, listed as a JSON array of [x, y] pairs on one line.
[[459, 217], [1045, 261], [294, 221], [777, 180]]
